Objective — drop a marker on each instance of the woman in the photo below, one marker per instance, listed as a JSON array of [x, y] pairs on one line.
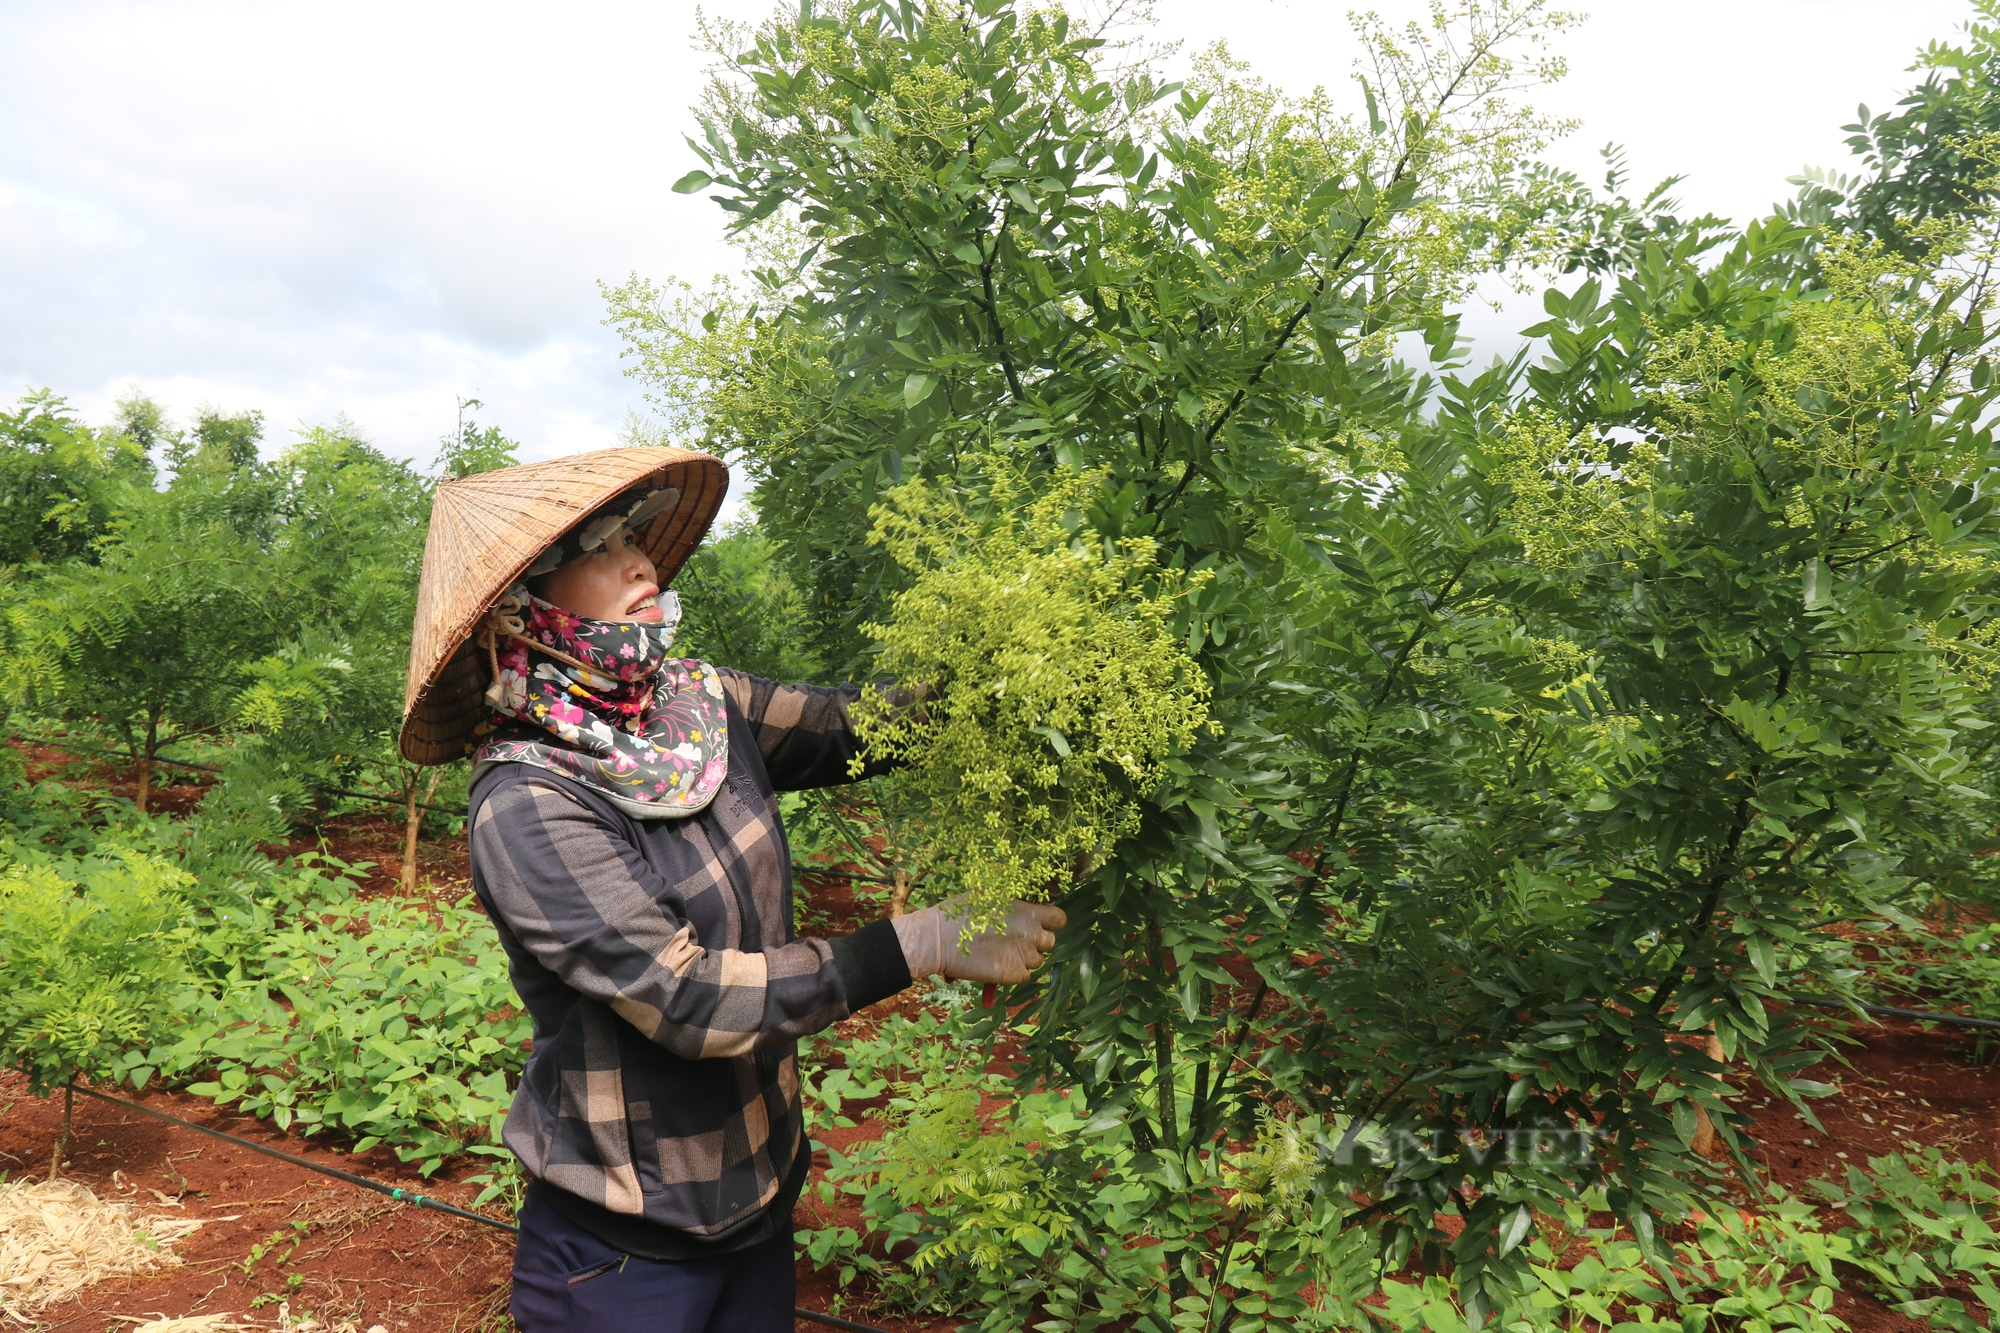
[[626, 842]]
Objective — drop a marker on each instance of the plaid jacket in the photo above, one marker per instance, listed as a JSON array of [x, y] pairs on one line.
[[659, 963]]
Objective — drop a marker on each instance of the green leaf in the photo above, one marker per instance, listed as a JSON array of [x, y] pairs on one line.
[[693, 181], [1687, 1121], [1764, 957], [917, 387], [1818, 583]]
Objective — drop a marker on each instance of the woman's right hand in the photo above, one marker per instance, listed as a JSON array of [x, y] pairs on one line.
[[1005, 954]]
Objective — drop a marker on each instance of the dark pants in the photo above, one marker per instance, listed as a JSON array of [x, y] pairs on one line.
[[568, 1281]]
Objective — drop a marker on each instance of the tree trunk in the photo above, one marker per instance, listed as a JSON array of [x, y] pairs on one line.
[[899, 899], [413, 822], [1704, 1131], [146, 763], [413, 818], [62, 1139], [1163, 1044]]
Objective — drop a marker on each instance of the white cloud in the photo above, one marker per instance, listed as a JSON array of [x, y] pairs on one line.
[[1735, 95], [371, 208], [366, 208]]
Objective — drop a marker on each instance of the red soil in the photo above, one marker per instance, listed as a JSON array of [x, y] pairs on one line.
[[183, 792], [1903, 1090], [363, 1257]]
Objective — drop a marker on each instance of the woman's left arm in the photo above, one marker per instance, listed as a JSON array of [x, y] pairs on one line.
[[805, 732]]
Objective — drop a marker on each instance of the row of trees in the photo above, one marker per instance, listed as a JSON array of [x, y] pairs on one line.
[[168, 585], [1561, 708], [173, 586]]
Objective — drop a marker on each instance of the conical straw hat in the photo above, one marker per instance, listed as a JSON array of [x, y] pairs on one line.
[[488, 528]]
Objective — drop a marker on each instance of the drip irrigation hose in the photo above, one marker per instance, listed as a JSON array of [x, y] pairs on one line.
[[410, 1197], [1889, 1011], [399, 1195]]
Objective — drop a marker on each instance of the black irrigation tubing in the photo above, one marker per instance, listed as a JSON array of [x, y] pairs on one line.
[[799, 868], [1889, 1011], [211, 768], [399, 1195]]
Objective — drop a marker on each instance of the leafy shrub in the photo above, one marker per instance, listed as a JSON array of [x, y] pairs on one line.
[[88, 962], [1766, 1271], [1562, 705], [1927, 1233], [58, 478], [977, 1201], [1755, 1273], [37, 817], [390, 1021], [88, 966]]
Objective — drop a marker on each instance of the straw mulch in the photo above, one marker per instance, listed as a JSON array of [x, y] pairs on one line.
[[56, 1238], [219, 1323]]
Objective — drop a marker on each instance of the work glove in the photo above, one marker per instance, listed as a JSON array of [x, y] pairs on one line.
[[1005, 954]]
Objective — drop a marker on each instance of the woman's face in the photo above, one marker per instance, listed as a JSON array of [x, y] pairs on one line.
[[615, 582]]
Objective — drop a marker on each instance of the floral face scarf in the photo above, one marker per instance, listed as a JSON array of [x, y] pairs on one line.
[[601, 702]]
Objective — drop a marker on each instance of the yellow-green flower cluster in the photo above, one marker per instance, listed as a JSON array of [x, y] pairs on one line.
[[1053, 682], [1569, 497]]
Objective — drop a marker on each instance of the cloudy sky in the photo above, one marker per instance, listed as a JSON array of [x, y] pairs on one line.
[[375, 208]]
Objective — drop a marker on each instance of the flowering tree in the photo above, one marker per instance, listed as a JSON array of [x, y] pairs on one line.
[[1557, 709]]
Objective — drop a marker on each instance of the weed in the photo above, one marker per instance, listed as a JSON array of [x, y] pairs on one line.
[[1925, 1233]]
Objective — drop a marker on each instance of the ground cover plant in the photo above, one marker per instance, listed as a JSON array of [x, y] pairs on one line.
[[1924, 1232], [394, 1022], [1449, 773]]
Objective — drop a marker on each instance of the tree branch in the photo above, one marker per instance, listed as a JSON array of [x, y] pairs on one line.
[[999, 332], [1402, 169]]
